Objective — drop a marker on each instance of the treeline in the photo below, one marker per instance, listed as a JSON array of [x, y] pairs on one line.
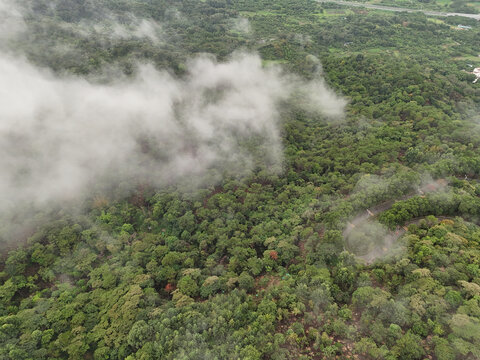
[[255, 268], [440, 204]]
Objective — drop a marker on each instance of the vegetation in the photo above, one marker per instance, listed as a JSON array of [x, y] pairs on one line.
[[257, 268], [458, 6]]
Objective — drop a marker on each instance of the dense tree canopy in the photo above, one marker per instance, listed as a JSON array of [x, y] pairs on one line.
[[258, 267]]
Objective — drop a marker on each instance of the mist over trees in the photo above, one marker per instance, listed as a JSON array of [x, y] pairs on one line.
[[238, 180]]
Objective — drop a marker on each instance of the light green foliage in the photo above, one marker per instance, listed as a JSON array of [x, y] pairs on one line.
[[257, 267], [188, 286]]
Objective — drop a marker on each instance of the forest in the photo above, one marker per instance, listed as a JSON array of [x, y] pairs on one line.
[[354, 235]]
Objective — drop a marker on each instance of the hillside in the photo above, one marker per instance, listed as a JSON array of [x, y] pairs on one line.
[[238, 180]]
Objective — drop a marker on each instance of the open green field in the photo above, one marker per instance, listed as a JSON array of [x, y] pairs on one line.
[[445, 5]]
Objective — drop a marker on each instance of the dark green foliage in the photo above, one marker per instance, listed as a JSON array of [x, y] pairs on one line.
[[258, 267]]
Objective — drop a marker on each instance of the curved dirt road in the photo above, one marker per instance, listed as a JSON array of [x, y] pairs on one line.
[[389, 237]]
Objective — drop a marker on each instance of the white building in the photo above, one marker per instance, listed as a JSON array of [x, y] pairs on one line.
[[476, 72]]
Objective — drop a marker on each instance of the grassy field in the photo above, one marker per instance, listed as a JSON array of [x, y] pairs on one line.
[[474, 4], [415, 4]]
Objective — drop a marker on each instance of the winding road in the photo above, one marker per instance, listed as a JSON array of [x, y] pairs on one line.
[[389, 237], [398, 9]]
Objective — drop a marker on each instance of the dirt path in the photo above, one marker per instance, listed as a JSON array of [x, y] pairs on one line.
[[433, 186], [388, 237]]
